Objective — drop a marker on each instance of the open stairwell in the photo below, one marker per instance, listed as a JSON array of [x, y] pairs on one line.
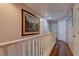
[[38, 45]]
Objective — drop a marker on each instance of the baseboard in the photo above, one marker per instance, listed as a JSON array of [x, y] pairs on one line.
[[70, 49], [49, 50]]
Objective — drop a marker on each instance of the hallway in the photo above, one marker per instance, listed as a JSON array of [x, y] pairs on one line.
[[61, 49], [31, 29]]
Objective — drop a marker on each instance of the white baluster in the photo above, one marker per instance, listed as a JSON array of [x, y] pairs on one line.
[[33, 47], [44, 44], [48, 43], [16, 50], [39, 47], [5, 50], [42, 47], [29, 47], [36, 47], [24, 48], [49, 40]]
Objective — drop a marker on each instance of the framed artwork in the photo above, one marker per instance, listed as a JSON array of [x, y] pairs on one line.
[[30, 23]]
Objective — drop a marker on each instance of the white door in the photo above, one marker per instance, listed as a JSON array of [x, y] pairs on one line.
[[62, 30], [76, 29]]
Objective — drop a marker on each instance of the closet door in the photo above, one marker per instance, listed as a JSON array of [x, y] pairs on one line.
[[76, 30]]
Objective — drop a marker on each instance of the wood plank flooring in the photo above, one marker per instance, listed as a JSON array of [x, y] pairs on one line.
[[61, 49]]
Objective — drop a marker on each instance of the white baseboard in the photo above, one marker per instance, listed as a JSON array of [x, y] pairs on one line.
[[49, 50]]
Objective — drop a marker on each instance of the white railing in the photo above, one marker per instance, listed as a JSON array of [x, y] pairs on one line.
[[39, 45]]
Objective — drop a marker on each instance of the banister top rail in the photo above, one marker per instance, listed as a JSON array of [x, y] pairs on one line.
[[20, 40]]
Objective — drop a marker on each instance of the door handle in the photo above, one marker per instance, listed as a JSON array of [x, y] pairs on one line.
[[74, 36]]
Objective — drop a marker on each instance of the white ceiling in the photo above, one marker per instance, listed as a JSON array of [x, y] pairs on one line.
[[50, 11]]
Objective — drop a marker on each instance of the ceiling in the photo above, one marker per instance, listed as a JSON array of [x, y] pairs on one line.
[[50, 11]]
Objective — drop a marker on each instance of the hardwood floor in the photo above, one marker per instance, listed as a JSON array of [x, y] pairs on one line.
[[61, 49]]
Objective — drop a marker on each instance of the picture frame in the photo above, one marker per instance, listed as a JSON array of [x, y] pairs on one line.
[[30, 23]]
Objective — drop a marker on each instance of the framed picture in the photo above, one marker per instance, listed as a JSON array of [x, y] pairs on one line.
[[30, 23]]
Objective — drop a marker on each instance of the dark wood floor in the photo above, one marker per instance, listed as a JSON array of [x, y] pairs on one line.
[[61, 49]]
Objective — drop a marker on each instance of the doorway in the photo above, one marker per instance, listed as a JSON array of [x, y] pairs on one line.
[[62, 30]]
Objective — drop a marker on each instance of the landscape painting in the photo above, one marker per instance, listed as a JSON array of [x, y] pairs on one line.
[[30, 23]]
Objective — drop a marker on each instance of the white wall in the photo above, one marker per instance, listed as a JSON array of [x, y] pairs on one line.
[[10, 21], [70, 30], [43, 26]]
